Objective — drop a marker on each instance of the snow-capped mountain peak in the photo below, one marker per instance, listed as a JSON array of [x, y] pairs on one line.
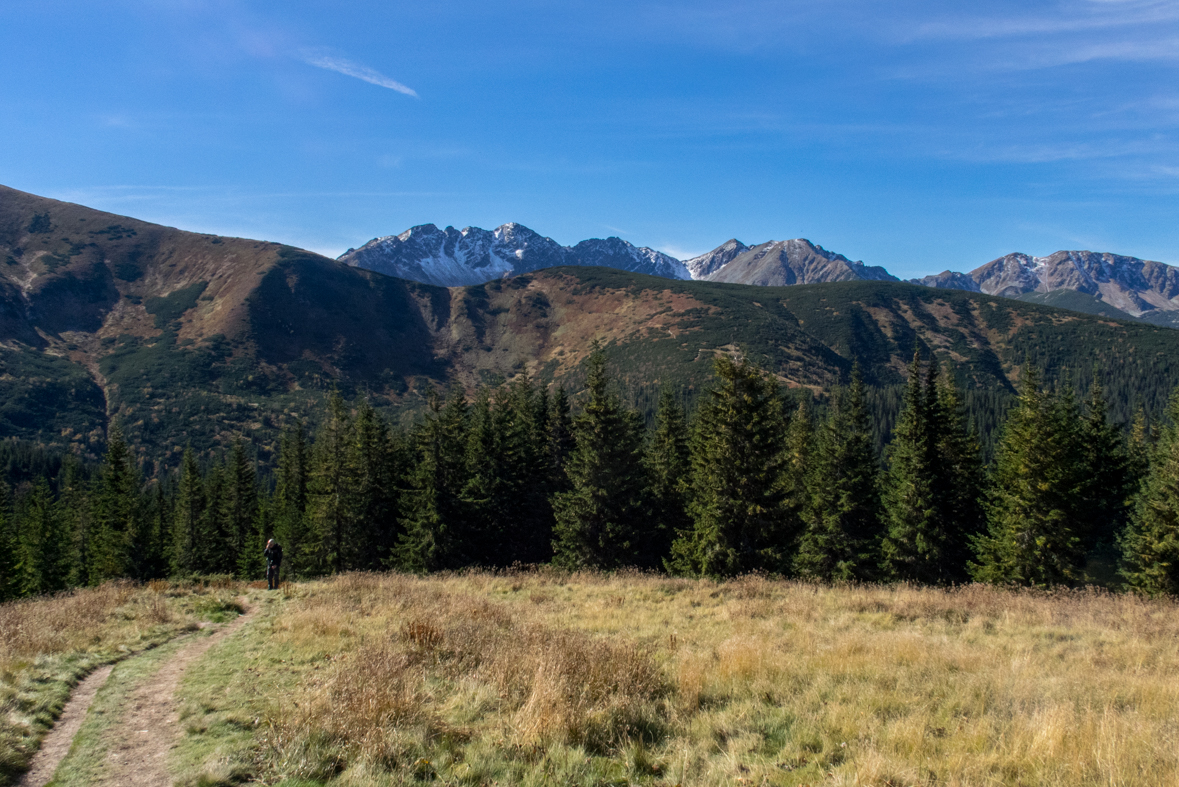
[[455, 258]]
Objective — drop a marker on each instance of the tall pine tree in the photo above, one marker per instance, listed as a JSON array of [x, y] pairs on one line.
[[45, 550], [114, 521], [841, 515], [959, 476], [78, 510], [930, 499], [669, 470], [913, 546], [241, 511], [740, 521], [485, 495], [377, 466], [1107, 474], [599, 520], [291, 528], [8, 547], [560, 440], [1150, 543], [329, 490], [436, 535], [524, 426], [1035, 524], [215, 546], [188, 518]]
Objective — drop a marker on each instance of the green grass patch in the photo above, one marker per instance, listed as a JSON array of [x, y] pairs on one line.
[[230, 695]]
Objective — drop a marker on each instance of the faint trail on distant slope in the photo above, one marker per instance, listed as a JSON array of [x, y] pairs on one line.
[[57, 743], [150, 726]]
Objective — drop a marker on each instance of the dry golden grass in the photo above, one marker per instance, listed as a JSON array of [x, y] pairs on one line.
[[588, 679]]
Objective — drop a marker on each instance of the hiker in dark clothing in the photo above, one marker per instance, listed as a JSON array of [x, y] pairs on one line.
[[273, 553]]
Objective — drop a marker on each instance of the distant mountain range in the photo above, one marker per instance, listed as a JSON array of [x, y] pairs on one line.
[[460, 258], [193, 339], [1108, 285]]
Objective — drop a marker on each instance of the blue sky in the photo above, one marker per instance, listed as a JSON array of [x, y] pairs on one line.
[[915, 135]]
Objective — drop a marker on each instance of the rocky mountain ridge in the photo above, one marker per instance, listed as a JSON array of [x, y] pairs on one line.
[[461, 258], [1138, 289], [780, 263]]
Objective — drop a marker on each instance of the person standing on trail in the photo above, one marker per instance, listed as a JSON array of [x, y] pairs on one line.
[[273, 554]]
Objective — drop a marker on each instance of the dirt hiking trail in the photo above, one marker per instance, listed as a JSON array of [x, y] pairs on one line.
[[57, 743], [149, 726]]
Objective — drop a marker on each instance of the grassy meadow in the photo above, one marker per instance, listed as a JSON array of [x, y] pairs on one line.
[[551, 678]]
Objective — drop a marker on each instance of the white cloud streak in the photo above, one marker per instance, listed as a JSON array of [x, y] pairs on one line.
[[349, 68]]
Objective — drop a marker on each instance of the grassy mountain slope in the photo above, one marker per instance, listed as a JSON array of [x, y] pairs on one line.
[[191, 338]]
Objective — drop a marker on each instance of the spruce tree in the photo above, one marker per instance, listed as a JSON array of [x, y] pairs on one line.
[[1107, 480], [8, 546], [78, 511], [958, 477], [1139, 447], [44, 547], [800, 437], [1034, 521], [913, 546], [560, 440], [26, 571], [241, 510], [188, 518], [376, 467], [215, 547], [1150, 543], [158, 522], [600, 518], [841, 517], [522, 420], [930, 499], [485, 496], [329, 489], [740, 520], [668, 468], [435, 534], [291, 528], [114, 520]]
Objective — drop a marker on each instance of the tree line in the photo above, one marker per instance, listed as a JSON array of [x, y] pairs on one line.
[[756, 480]]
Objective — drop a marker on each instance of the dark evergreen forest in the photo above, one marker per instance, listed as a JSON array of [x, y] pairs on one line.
[[756, 479]]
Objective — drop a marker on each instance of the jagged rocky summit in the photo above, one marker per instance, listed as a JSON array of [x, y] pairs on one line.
[[778, 263], [1136, 287], [457, 258]]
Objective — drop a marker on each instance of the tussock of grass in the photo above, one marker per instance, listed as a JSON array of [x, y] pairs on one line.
[[48, 644], [585, 679]]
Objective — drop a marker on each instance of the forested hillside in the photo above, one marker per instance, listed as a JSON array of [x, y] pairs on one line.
[[753, 481]]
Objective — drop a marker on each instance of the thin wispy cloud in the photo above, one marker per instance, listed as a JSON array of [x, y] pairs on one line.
[[349, 68], [1070, 18]]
